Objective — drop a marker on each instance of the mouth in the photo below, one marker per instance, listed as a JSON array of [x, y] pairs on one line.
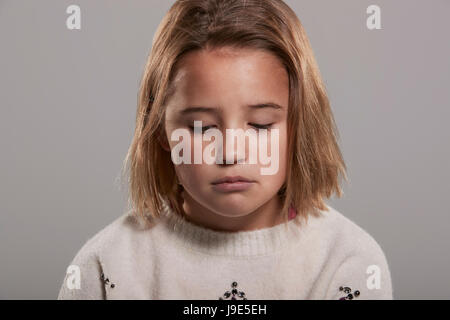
[[235, 179], [230, 184]]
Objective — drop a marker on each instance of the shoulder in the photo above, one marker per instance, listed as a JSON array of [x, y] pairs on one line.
[[120, 230], [355, 258], [347, 237], [83, 279]]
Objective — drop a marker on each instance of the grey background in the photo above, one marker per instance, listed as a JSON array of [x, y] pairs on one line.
[[68, 103]]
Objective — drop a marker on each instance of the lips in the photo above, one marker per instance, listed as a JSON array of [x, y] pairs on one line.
[[232, 184], [234, 179]]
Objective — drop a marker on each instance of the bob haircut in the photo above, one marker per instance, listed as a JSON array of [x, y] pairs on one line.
[[314, 160]]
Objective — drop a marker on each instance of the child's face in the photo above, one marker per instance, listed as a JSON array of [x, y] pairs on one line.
[[228, 81]]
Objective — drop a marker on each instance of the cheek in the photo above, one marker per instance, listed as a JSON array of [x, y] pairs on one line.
[[281, 145], [192, 176], [283, 149]]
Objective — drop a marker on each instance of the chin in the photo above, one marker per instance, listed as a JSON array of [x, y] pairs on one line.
[[236, 209]]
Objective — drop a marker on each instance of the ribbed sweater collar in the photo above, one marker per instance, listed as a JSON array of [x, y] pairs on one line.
[[258, 242]]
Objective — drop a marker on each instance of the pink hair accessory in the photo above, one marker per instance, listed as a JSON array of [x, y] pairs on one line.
[[292, 213]]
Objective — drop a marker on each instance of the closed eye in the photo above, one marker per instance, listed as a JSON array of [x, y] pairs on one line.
[[202, 128], [261, 126], [255, 125]]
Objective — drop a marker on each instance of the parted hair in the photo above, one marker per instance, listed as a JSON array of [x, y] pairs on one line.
[[315, 163]]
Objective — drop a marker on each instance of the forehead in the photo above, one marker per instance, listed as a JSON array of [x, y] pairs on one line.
[[227, 75]]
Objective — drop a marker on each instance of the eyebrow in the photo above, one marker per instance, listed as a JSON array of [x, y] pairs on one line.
[[193, 109]]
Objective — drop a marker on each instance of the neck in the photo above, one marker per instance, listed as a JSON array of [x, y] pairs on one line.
[[265, 216]]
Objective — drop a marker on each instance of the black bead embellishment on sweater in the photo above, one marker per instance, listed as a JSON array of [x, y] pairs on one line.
[[234, 293], [350, 295], [106, 281]]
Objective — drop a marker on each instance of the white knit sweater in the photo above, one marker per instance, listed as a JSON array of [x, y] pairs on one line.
[[330, 257]]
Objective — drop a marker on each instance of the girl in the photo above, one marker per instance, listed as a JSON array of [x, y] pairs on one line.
[[224, 230]]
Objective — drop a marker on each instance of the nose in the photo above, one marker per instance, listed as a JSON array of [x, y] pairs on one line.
[[234, 148]]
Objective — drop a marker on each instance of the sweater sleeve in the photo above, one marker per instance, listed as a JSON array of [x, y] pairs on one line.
[[364, 275], [83, 279]]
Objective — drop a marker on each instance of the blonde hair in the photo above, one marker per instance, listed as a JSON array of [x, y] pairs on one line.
[[314, 161]]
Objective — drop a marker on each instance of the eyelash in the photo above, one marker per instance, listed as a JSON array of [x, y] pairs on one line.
[[257, 126]]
